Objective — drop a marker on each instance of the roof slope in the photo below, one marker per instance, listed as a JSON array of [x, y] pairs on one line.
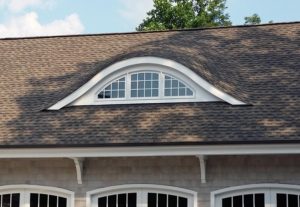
[[258, 65]]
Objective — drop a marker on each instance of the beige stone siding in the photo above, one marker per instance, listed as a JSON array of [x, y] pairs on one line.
[[184, 172]]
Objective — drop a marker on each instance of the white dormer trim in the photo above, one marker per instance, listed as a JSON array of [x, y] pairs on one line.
[[139, 61]]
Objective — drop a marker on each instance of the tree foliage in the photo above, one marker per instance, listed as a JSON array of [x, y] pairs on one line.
[[179, 14], [252, 20]]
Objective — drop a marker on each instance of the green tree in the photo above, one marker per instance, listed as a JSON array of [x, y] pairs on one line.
[[179, 14], [251, 20]]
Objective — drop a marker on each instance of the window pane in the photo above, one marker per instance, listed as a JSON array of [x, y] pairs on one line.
[[62, 202], [259, 200], [15, 200], [248, 200], [102, 202], [154, 92], [141, 85], [181, 91], [141, 93], [238, 201], [281, 200], [141, 76], [189, 92], [107, 94], [122, 200], [174, 92], [151, 199], [121, 94], [182, 202], [134, 77], [172, 201], [114, 94], [115, 86], [133, 93], [122, 85], [154, 76], [148, 76], [146, 84], [43, 200], [292, 200], [167, 92], [174, 83], [147, 93], [112, 201], [226, 202], [34, 199], [177, 87], [52, 201], [162, 200], [131, 199], [133, 85], [116, 89], [155, 84], [6, 200], [168, 84]]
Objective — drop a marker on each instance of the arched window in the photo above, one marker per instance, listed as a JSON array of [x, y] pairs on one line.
[[145, 80], [141, 195], [258, 195], [145, 85], [35, 196]]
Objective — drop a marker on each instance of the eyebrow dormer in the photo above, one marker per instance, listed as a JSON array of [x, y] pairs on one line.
[[145, 80]]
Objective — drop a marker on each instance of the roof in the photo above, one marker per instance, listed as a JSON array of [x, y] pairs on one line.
[[258, 65]]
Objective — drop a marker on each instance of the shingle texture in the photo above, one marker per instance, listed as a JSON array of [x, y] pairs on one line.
[[256, 64]]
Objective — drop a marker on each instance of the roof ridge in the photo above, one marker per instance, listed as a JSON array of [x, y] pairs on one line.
[[144, 32]]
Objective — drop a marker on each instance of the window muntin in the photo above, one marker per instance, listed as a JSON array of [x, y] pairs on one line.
[[34, 196], [47, 200], [144, 84], [141, 85], [259, 195], [245, 200], [135, 195], [116, 89], [10, 200], [175, 87]]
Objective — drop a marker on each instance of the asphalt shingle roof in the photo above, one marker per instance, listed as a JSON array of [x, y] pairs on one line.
[[258, 65]]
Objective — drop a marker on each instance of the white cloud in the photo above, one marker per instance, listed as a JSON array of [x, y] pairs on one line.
[[19, 5], [29, 25], [135, 10]]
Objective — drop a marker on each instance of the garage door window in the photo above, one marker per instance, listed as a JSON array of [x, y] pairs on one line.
[[259, 196], [142, 196], [34, 196]]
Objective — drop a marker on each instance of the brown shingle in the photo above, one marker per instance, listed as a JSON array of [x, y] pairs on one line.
[[258, 65]]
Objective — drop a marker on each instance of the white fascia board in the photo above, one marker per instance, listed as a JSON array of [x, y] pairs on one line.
[[140, 61], [245, 149]]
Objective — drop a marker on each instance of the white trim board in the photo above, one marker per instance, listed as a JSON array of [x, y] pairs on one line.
[[141, 61], [242, 149]]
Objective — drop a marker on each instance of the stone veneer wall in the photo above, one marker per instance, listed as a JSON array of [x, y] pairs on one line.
[[184, 172]]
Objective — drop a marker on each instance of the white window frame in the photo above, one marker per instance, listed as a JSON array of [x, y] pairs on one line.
[[76, 98], [161, 87], [199, 94], [142, 190], [269, 189], [26, 190]]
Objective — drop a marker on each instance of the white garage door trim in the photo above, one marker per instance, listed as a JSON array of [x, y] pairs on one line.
[[270, 188], [189, 194]]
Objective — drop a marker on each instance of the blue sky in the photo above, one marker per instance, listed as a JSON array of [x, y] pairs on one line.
[[55, 17]]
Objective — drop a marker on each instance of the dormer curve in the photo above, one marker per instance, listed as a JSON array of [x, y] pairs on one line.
[[145, 80]]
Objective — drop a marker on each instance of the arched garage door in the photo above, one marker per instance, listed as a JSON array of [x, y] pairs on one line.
[[259, 195], [141, 196]]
